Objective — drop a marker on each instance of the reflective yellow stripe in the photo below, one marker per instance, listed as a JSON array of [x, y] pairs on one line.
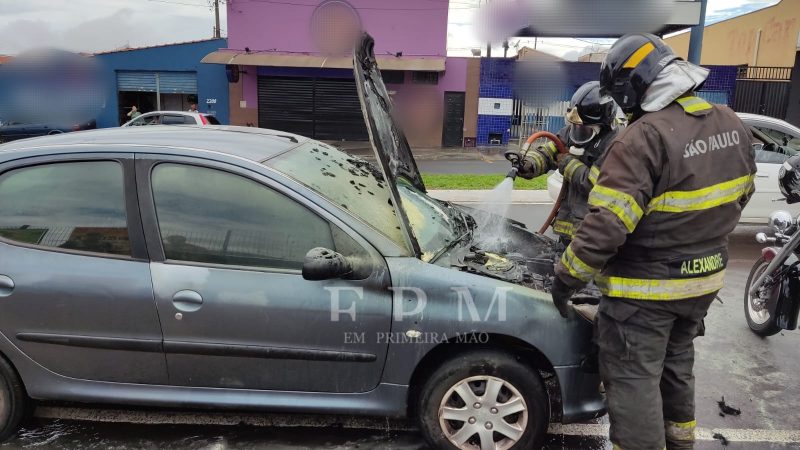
[[551, 147], [693, 104], [680, 431], [673, 289], [576, 267], [538, 161], [594, 173], [572, 166], [639, 55], [705, 198], [564, 227], [621, 204]]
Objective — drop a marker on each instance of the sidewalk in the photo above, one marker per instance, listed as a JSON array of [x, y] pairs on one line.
[[485, 153]]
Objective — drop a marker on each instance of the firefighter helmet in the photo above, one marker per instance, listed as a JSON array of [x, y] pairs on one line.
[[632, 64], [589, 112]]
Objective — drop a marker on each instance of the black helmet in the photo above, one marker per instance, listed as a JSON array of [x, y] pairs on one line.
[[789, 179], [632, 63], [588, 112]]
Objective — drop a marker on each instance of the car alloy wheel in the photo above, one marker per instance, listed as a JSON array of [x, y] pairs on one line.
[[483, 412], [483, 399]]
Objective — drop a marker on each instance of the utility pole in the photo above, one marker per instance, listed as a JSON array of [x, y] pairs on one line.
[[696, 36], [217, 33]]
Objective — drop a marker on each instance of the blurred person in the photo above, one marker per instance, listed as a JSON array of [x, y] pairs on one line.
[[591, 126], [671, 189], [193, 107], [134, 112]]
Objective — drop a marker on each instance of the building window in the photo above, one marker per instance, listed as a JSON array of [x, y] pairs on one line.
[[425, 77], [393, 76]]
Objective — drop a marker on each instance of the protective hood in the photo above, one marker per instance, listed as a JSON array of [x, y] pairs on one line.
[[673, 81], [388, 141]]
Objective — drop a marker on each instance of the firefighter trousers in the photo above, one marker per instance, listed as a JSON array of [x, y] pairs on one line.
[[646, 363]]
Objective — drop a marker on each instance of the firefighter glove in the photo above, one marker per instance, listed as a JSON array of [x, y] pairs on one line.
[[561, 294]]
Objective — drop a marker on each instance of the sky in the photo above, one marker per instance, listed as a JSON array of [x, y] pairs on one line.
[[102, 25]]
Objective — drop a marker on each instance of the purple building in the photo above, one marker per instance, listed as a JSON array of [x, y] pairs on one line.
[[290, 68]]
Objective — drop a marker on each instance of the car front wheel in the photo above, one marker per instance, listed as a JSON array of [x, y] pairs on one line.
[[482, 400], [12, 400]]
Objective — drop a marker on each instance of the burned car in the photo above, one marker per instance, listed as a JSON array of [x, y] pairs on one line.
[[242, 268]]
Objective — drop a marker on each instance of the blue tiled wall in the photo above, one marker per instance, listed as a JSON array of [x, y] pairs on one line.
[[720, 86], [496, 81]]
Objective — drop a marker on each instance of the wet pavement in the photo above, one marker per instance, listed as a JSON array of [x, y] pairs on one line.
[[757, 375]]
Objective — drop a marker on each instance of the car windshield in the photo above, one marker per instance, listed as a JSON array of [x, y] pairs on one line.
[[359, 187], [435, 224]]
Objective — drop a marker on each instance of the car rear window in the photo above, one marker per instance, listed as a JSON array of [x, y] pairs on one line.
[[212, 120], [74, 205]]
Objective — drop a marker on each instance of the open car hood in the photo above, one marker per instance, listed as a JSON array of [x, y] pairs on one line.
[[388, 141]]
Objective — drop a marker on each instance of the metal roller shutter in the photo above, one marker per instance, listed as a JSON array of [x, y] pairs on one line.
[[168, 82], [321, 108], [136, 81], [286, 104], [178, 82]]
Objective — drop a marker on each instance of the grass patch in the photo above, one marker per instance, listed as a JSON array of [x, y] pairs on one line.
[[469, 181]]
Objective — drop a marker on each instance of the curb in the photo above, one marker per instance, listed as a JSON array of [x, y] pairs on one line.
[[481, 196]]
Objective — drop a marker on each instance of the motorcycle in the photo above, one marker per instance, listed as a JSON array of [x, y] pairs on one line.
[[772, 292]]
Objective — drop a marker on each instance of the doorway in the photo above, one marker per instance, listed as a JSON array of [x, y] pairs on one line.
[[453, 127]]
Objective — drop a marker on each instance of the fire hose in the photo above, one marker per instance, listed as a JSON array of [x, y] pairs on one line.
[[561, 149]]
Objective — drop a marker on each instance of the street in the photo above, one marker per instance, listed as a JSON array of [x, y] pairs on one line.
[[755, 375]]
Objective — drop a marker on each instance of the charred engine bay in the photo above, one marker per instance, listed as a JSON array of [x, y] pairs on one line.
[[516, 255]]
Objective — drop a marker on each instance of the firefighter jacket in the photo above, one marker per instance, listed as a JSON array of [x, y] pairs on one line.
[[671, 189], [580, 174]]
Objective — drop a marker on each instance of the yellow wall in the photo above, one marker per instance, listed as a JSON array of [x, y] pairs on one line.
[[736, 41]]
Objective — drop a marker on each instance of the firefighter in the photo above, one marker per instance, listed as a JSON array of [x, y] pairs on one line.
[[671, 188], [591, 126]]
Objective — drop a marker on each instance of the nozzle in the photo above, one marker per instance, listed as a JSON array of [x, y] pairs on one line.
[[512, 173]]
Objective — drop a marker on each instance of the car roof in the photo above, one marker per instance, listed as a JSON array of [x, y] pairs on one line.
[[255, 144], [182, 113]]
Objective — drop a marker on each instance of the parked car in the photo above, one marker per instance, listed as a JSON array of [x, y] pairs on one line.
[[172, 118], [777, 140], [234, 267], [11, 131]]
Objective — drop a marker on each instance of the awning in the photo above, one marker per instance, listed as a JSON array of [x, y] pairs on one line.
[[419, 63]]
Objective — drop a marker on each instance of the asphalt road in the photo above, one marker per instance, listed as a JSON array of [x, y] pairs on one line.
[[759, 376]]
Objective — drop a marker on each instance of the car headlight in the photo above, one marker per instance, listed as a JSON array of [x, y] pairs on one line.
[[780, 221]]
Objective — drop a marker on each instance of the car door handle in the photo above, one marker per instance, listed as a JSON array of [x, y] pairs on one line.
[[6, 285], [762, 175], [187, 301]]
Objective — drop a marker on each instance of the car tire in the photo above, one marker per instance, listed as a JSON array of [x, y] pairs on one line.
[[13, 401], [756, 320], [519, 390]]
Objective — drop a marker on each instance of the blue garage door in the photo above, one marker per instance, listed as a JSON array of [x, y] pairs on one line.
[[166, 82]]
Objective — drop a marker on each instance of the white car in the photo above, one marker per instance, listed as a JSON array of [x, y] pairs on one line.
[[777, 141], [172, 118]]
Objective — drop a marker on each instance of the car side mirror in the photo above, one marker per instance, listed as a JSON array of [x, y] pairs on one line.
[[325, 264], [758, 146]]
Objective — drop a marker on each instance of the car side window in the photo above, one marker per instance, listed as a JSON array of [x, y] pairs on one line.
[[168, 119], [189, 120], [229, 219], [72, 205], [783, 139]]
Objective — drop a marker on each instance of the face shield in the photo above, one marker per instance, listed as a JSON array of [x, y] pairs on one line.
[[580, 134]]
